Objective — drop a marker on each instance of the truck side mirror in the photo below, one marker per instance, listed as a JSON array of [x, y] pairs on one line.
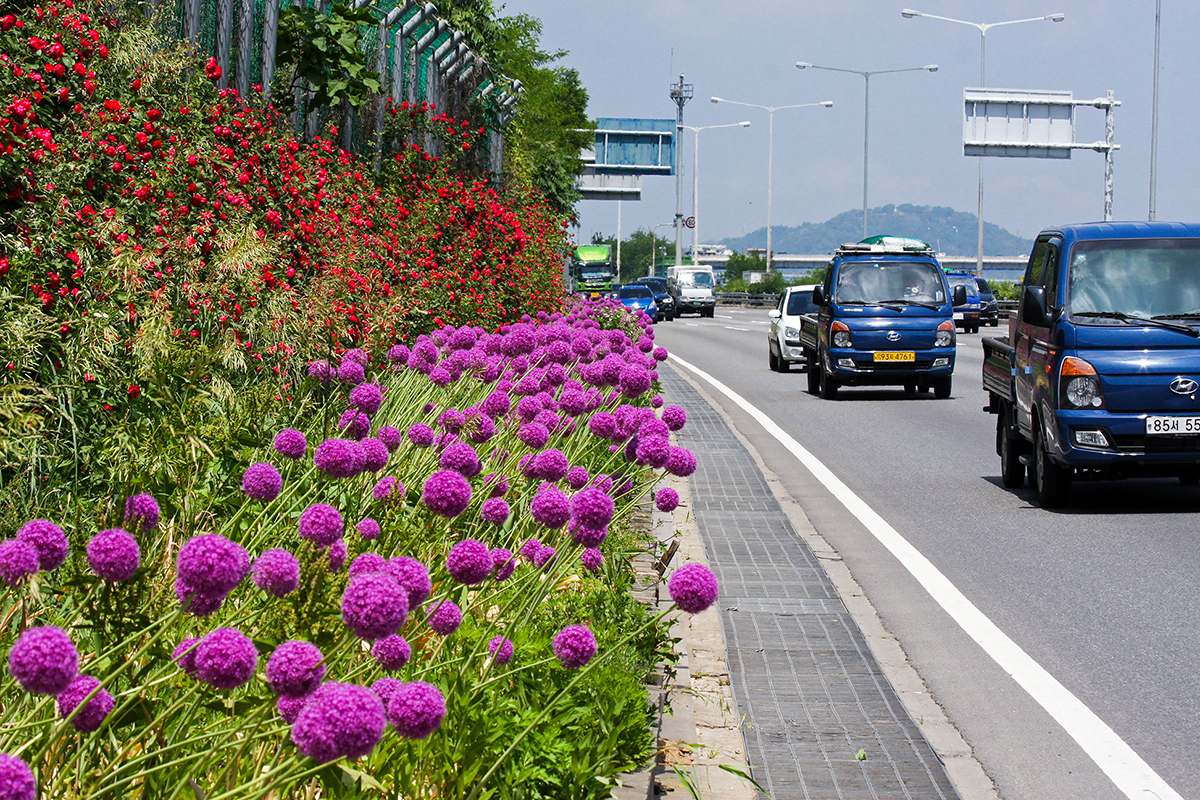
[[1033, 307], [960, 295], [819, 295]]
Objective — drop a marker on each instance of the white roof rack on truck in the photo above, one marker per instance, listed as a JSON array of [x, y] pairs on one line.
[[885, 245]]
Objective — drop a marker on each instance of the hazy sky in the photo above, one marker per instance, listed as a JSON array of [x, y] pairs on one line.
[[629, 53]]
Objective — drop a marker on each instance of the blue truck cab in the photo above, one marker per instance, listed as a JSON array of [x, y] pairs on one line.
[[885, 316], [1099, 377]]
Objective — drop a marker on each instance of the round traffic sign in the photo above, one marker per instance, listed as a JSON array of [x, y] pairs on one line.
[[690, 222]]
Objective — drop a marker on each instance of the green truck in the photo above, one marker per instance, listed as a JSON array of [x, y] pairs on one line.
[[592, 271]]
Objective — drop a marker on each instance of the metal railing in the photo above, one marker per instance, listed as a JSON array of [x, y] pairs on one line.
[[747, 298]]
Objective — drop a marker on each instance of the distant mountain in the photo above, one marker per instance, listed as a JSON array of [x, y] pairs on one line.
[[933, 224]]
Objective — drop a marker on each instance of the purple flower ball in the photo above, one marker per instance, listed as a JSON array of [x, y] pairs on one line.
[[446, 493], [93, 713], [666, 499], [320, 371], [544, 557], [375, 455], [534, 435], [681, 462], [390, 437], [337, 555], [385, 687], [369, 529], [339, 458], [356, 354], [276, 572], [321, 524], [588, 537], [603, 424], [367, 398], [50, 541], [503, 563], [693, 587], [578, 477], [494, 510], [290, 443], [499, 487], [391, 652], [16, 779], [592, 508], [196, 602], [262, 482], [374, 605], [185, 656], [497, 404], [351, 372], [114, 555], [530, 549], [226, 658], [574, 646], [211, 564], [421, 435], [295, 669], [354, 424], [340, 720], [653, 450], [141, 512], [591, 559], [634, 381], [44, 660], [445, 618], [501, 650], [550, 507], [469, 562], [416, 710], [462, 458], [18, 558], [549, 465], [388, 490], [413, 577], [397, 354], [289, 708], [367, 562], [674, 416]]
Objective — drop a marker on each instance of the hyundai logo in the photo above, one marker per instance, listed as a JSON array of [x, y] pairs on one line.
[[1184, 386], [894, 336]]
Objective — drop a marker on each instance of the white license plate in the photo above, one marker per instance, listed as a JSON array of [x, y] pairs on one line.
[[958, 315], [1170, 425]]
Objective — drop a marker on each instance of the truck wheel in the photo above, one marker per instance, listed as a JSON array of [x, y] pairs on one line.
[[812, 367], [772, 359], [1012, 471], [828, 385], [1052, 482], [910, 387], [942, 386]]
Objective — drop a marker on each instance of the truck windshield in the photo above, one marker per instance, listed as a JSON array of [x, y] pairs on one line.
[[1149, 278], [696, 278], [595, 269], [873, 282]]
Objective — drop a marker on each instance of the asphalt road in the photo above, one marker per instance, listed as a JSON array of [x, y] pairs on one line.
[[1103, 595]]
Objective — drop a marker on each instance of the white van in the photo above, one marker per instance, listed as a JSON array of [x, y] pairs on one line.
[[692, 286]]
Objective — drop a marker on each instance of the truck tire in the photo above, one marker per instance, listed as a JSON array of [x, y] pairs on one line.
[[828, 388], [1012, 471], [943, 386], [1052, 482], [812, 367]]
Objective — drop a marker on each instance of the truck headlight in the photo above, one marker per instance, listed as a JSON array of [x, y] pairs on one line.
[[944, 336], [841, 335], [1079, 385]]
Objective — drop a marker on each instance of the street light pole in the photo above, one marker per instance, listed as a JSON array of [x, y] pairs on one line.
[[654, 245], [696, 177], [982, 27], [680, 94], [867, 110], [771, 150]]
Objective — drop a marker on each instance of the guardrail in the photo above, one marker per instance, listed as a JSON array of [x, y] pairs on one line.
[[747, 298]]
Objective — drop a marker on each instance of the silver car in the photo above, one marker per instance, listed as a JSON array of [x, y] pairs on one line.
[[783, 337]]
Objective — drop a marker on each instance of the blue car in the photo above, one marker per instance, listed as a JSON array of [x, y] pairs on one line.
[[639, 298], [966, 315], [662, 297]]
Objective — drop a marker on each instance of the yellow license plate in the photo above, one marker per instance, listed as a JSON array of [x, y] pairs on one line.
[[895, 356]]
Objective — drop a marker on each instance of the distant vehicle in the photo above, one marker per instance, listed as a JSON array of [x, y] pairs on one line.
[[783, 337], [989, 308], [662, 297], [637, 297], [966, 314], [592, 271], [692, 286]]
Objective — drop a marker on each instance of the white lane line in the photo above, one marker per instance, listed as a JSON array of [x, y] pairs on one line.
[[732, 328], [1124, 767]]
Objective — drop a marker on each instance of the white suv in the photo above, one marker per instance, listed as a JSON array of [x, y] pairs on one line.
[[783, 337]]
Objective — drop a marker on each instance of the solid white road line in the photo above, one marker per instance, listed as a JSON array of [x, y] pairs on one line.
[[1124, 767]]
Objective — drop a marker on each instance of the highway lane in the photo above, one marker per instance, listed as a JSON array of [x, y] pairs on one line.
[[1102, 595]]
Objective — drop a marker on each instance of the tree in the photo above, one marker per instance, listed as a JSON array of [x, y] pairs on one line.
[[635, 251]]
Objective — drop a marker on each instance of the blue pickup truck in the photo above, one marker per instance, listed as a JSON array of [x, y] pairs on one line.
[[885, 316], [1099, 376]]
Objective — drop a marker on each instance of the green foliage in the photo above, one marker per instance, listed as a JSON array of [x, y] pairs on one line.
[[1005, 290], [636, 250], [325, 51]]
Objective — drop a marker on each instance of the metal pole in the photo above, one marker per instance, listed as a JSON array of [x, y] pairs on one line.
[[269, 46], [866, 128], [619, 238], [770, 163], [680, 94], [1109, 113], [695, 195], [1153, 116], [979, 212], [245, 37]]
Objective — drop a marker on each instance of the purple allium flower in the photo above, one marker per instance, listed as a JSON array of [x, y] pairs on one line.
[[421, 435], [49, 539], [384, 688], [211, 564], [356, 354], [693, 587], [462, 458], [276, 572], [339, 458], [391, 652], [337, 555], [320, 371], [578, 477], [351, 372], [354, 424], [549, 465], [290, 443], [185, 656], [530, 549], [634, 381], [494, 510], [374, 605], [367, 398], [452, 420], [44, 660], [603, 424], [446, 493], [501, 650], [588, 537], [499, 487], [659, 353], [93, 713], [389, 490], [340, 720], [196, 602], [544, 557], [592, 508], [592, 559], [413, 577], [503, 563], [681, 462], [114, 555], [390, 437], [367, 562], [574, 646], [534, 435], [289, 708], [16, 779], [375, 455], [528, 408], [674, 417], [226, 658], [550, 507], [368, 529], [440, 376], [398, 354], [653, 450], [469, 562], [497, 404], [445, 618], [295, 668], [262, 482], [667, 499], [479, 426], [322, 524], [18, 558], [416, 710], [657, 400], [653, 426]]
